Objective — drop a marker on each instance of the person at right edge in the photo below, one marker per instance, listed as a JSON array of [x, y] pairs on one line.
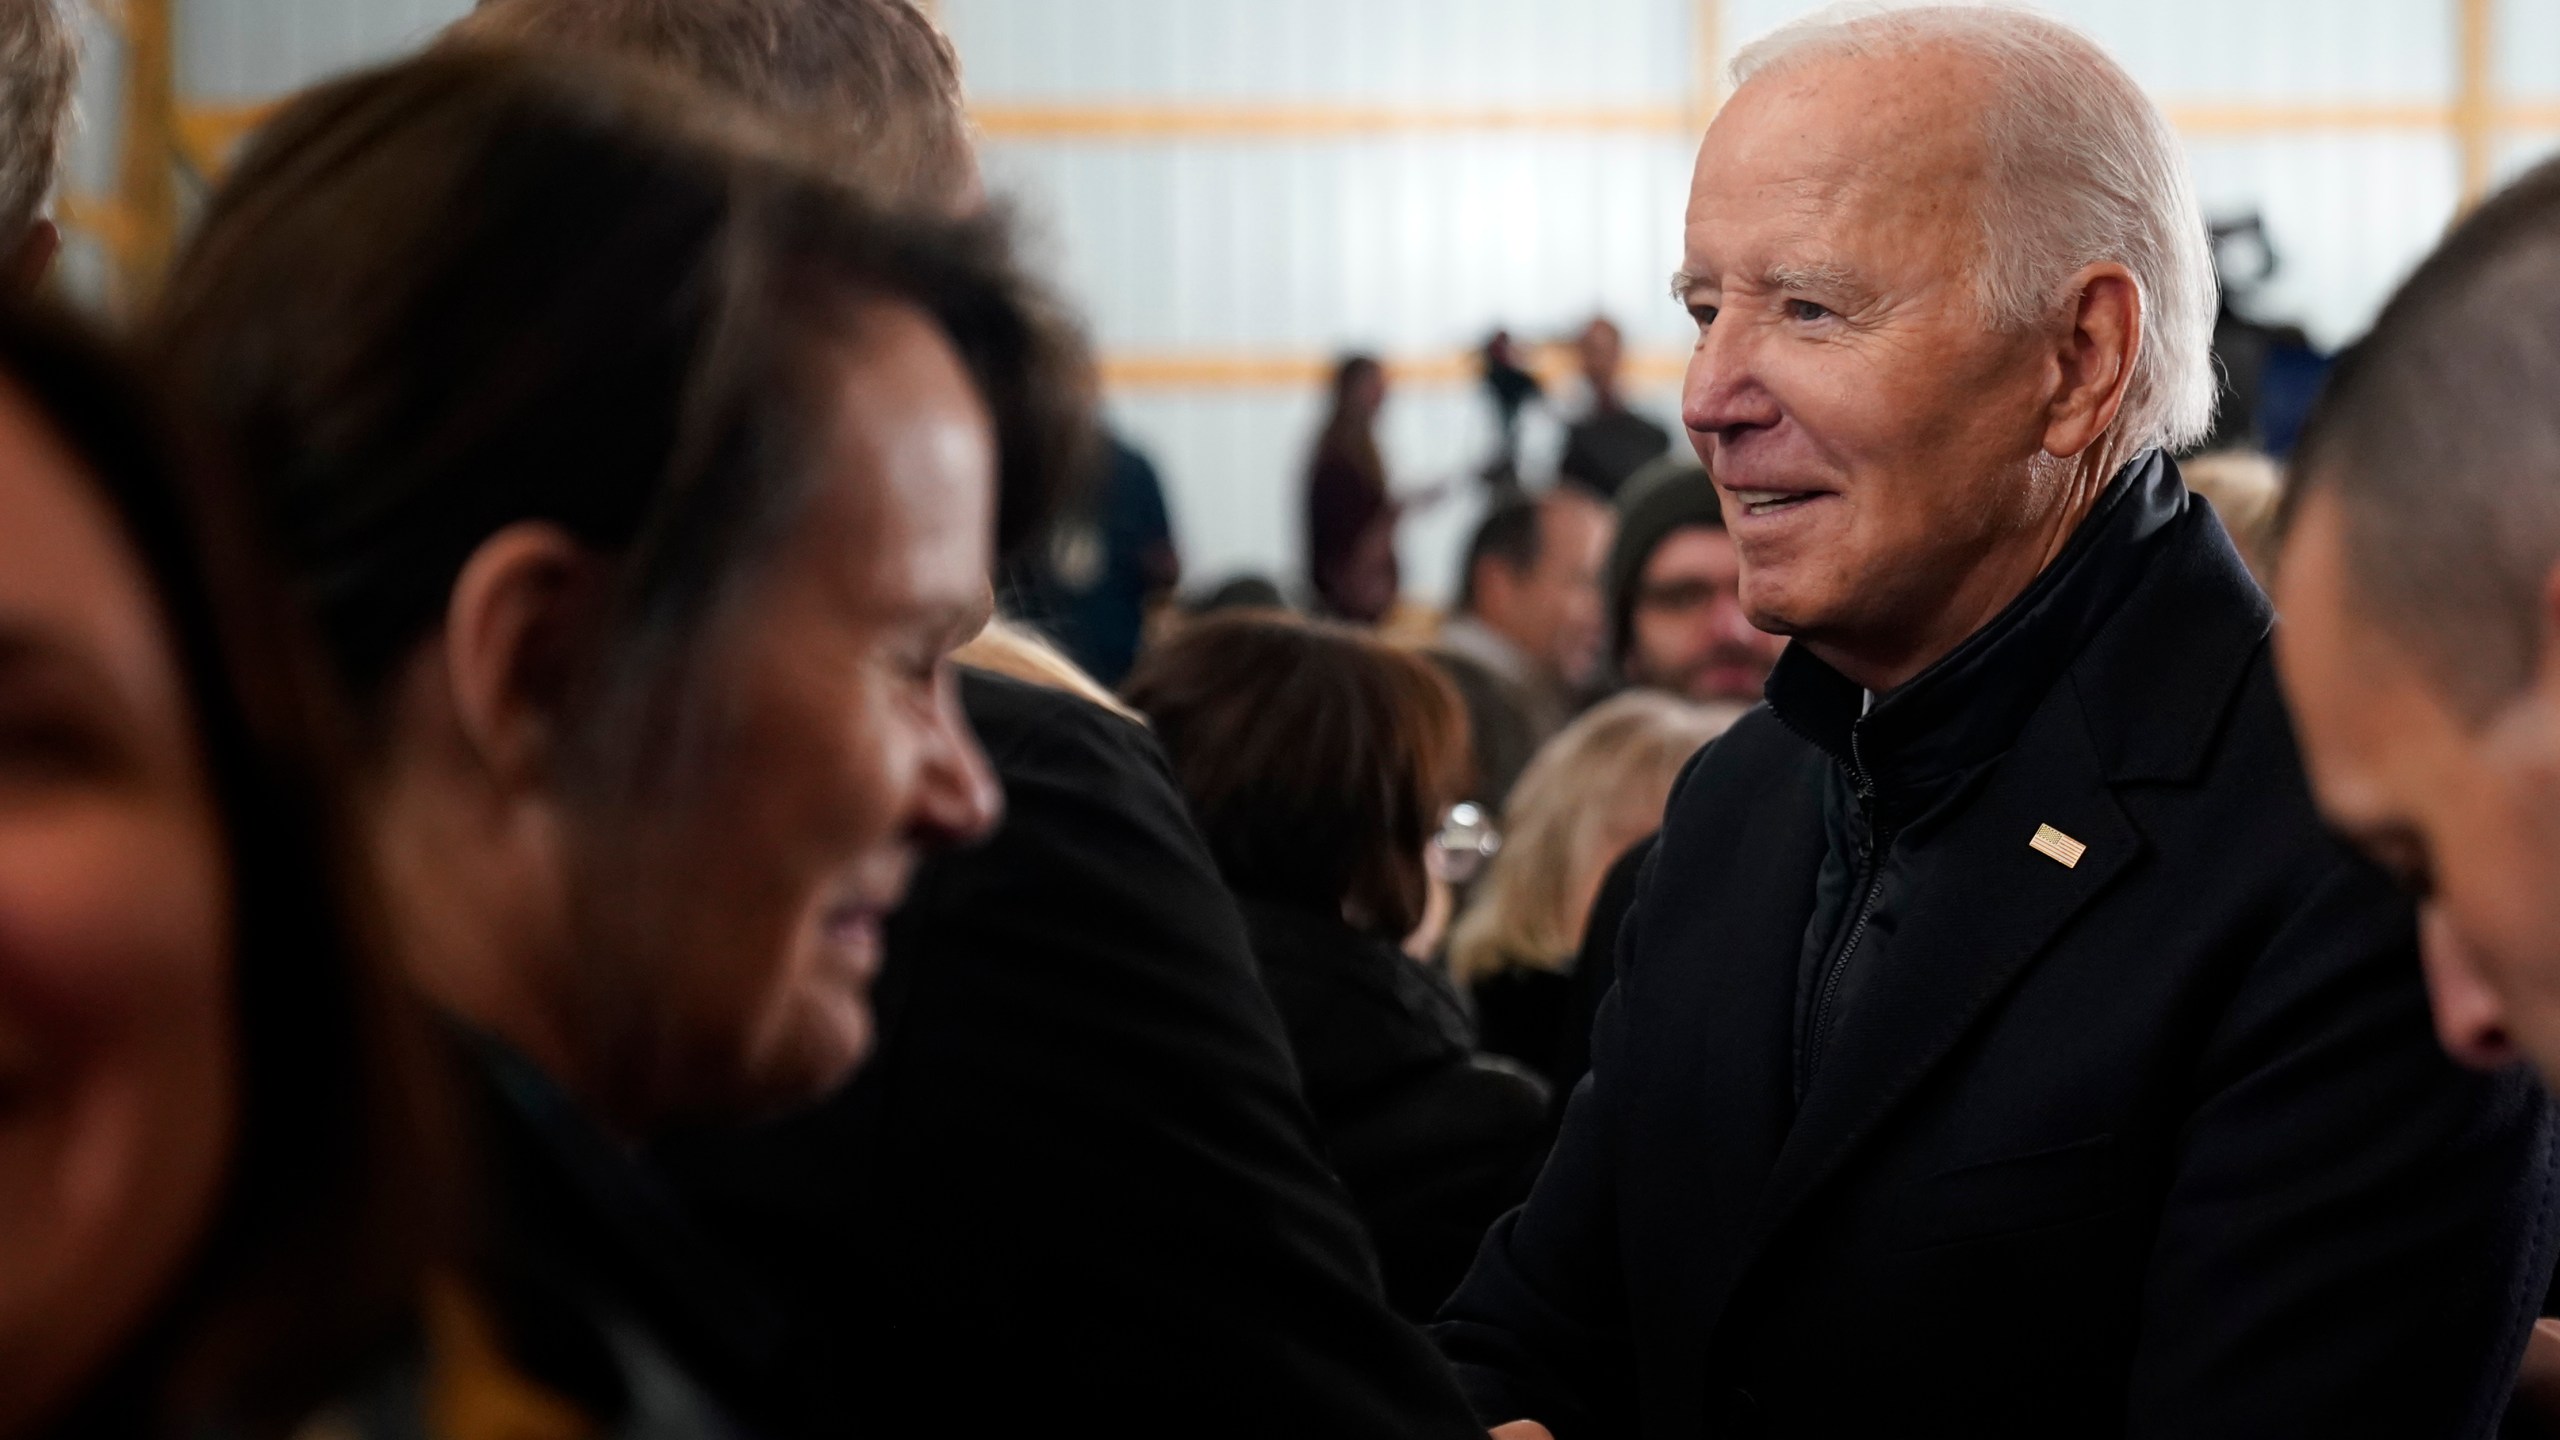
[[2001, 1046], [2419, 573]]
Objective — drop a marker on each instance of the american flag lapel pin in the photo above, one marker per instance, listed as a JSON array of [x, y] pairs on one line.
[[2057, 847]]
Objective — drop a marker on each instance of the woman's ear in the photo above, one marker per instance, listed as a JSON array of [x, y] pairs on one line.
[[2094, 360], [517, 614]]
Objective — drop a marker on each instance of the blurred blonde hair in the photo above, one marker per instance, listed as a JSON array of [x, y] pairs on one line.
[[1596, 788], [1018, 653], [39, 70], [2246, 489]]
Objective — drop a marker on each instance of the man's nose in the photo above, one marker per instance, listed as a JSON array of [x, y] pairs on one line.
[[2470, 1023], [1723, 391], [959, 798]]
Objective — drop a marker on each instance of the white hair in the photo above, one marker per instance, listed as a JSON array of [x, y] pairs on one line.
[[2083, 168], [39, 65]]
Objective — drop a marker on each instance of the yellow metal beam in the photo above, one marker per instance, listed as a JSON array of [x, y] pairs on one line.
[[1197, 122], [207, 133], [1706, 59], [1192, 122], [146, 178], [1297, 370], [2475, 117]]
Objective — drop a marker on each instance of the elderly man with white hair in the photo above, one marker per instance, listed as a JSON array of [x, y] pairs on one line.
[[2000, 1047]]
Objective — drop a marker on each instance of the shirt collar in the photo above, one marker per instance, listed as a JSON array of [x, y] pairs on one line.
[[1966, 709], [1472, 638]]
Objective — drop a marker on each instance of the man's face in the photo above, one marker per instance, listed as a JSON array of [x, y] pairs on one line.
[[1555, 611], [1686, 631], [1875, 442], [2466, 814], [836, 750]]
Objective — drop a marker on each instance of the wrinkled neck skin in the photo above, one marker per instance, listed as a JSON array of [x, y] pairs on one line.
[[2063, 491]]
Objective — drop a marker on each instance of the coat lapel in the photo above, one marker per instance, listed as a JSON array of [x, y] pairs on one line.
[[1719, 1084], [1962, 945]]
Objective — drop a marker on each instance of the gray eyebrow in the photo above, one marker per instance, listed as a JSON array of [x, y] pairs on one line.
[[1810, 277]]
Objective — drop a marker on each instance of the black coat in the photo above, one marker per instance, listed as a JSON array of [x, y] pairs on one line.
[[1434, 1140], [1076, 1184], [2155, 1144]]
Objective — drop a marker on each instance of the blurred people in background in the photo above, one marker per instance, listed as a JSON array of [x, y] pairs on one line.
[[640, 481], [1512, 388], [1676, 621], [1320, 763], [1104, 567], [1523, 646], [2420, 587], [1610, 443], [39, 79], [1082, 1103], [2269, 373], [223, 1172], [1995, 1023], [1594, 790], [2245, 489], [1352, 571], [1237, 592]]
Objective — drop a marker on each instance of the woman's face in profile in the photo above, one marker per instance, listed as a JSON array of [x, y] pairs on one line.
[[118, 1080]]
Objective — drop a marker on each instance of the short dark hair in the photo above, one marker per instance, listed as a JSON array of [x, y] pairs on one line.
[[874, 78], [340, 1187], [1318, 760], [2440, 439], [482, 287], [1511, 534]]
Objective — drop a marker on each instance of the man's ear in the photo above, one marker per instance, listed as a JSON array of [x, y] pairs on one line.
[[519, 612], [2094, 360], [27, 265]]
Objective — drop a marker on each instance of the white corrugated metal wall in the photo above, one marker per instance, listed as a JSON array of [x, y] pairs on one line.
[[1237, 189]]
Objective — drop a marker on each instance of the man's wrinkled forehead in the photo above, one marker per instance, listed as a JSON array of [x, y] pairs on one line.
[[1844, 141]]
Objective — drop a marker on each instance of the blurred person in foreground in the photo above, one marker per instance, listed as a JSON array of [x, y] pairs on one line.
[[2000, 1046], [223, 1175], [1610, 444], [39, 83], [1674, 585], [1524, 644], [1321, 763], [2419, 578], [1081, 1104], [640, 479], [1592, 792]]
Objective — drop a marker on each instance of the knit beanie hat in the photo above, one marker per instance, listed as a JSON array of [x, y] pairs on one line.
[[1673, 493]]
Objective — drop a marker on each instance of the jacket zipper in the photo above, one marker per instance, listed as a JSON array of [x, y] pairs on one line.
[[1836, 973]]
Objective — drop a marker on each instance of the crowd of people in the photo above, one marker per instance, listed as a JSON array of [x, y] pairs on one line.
[[555, 879]]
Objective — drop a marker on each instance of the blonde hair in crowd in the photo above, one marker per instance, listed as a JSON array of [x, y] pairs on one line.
[[1596, 788], [2246, 490], [1019, 653], [39, 70]]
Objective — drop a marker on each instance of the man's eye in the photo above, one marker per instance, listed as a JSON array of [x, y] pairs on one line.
[[1705, 315], [1807, 310]]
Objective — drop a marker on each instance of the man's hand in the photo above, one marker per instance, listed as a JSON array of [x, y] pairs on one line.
[[1522, 1430]]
